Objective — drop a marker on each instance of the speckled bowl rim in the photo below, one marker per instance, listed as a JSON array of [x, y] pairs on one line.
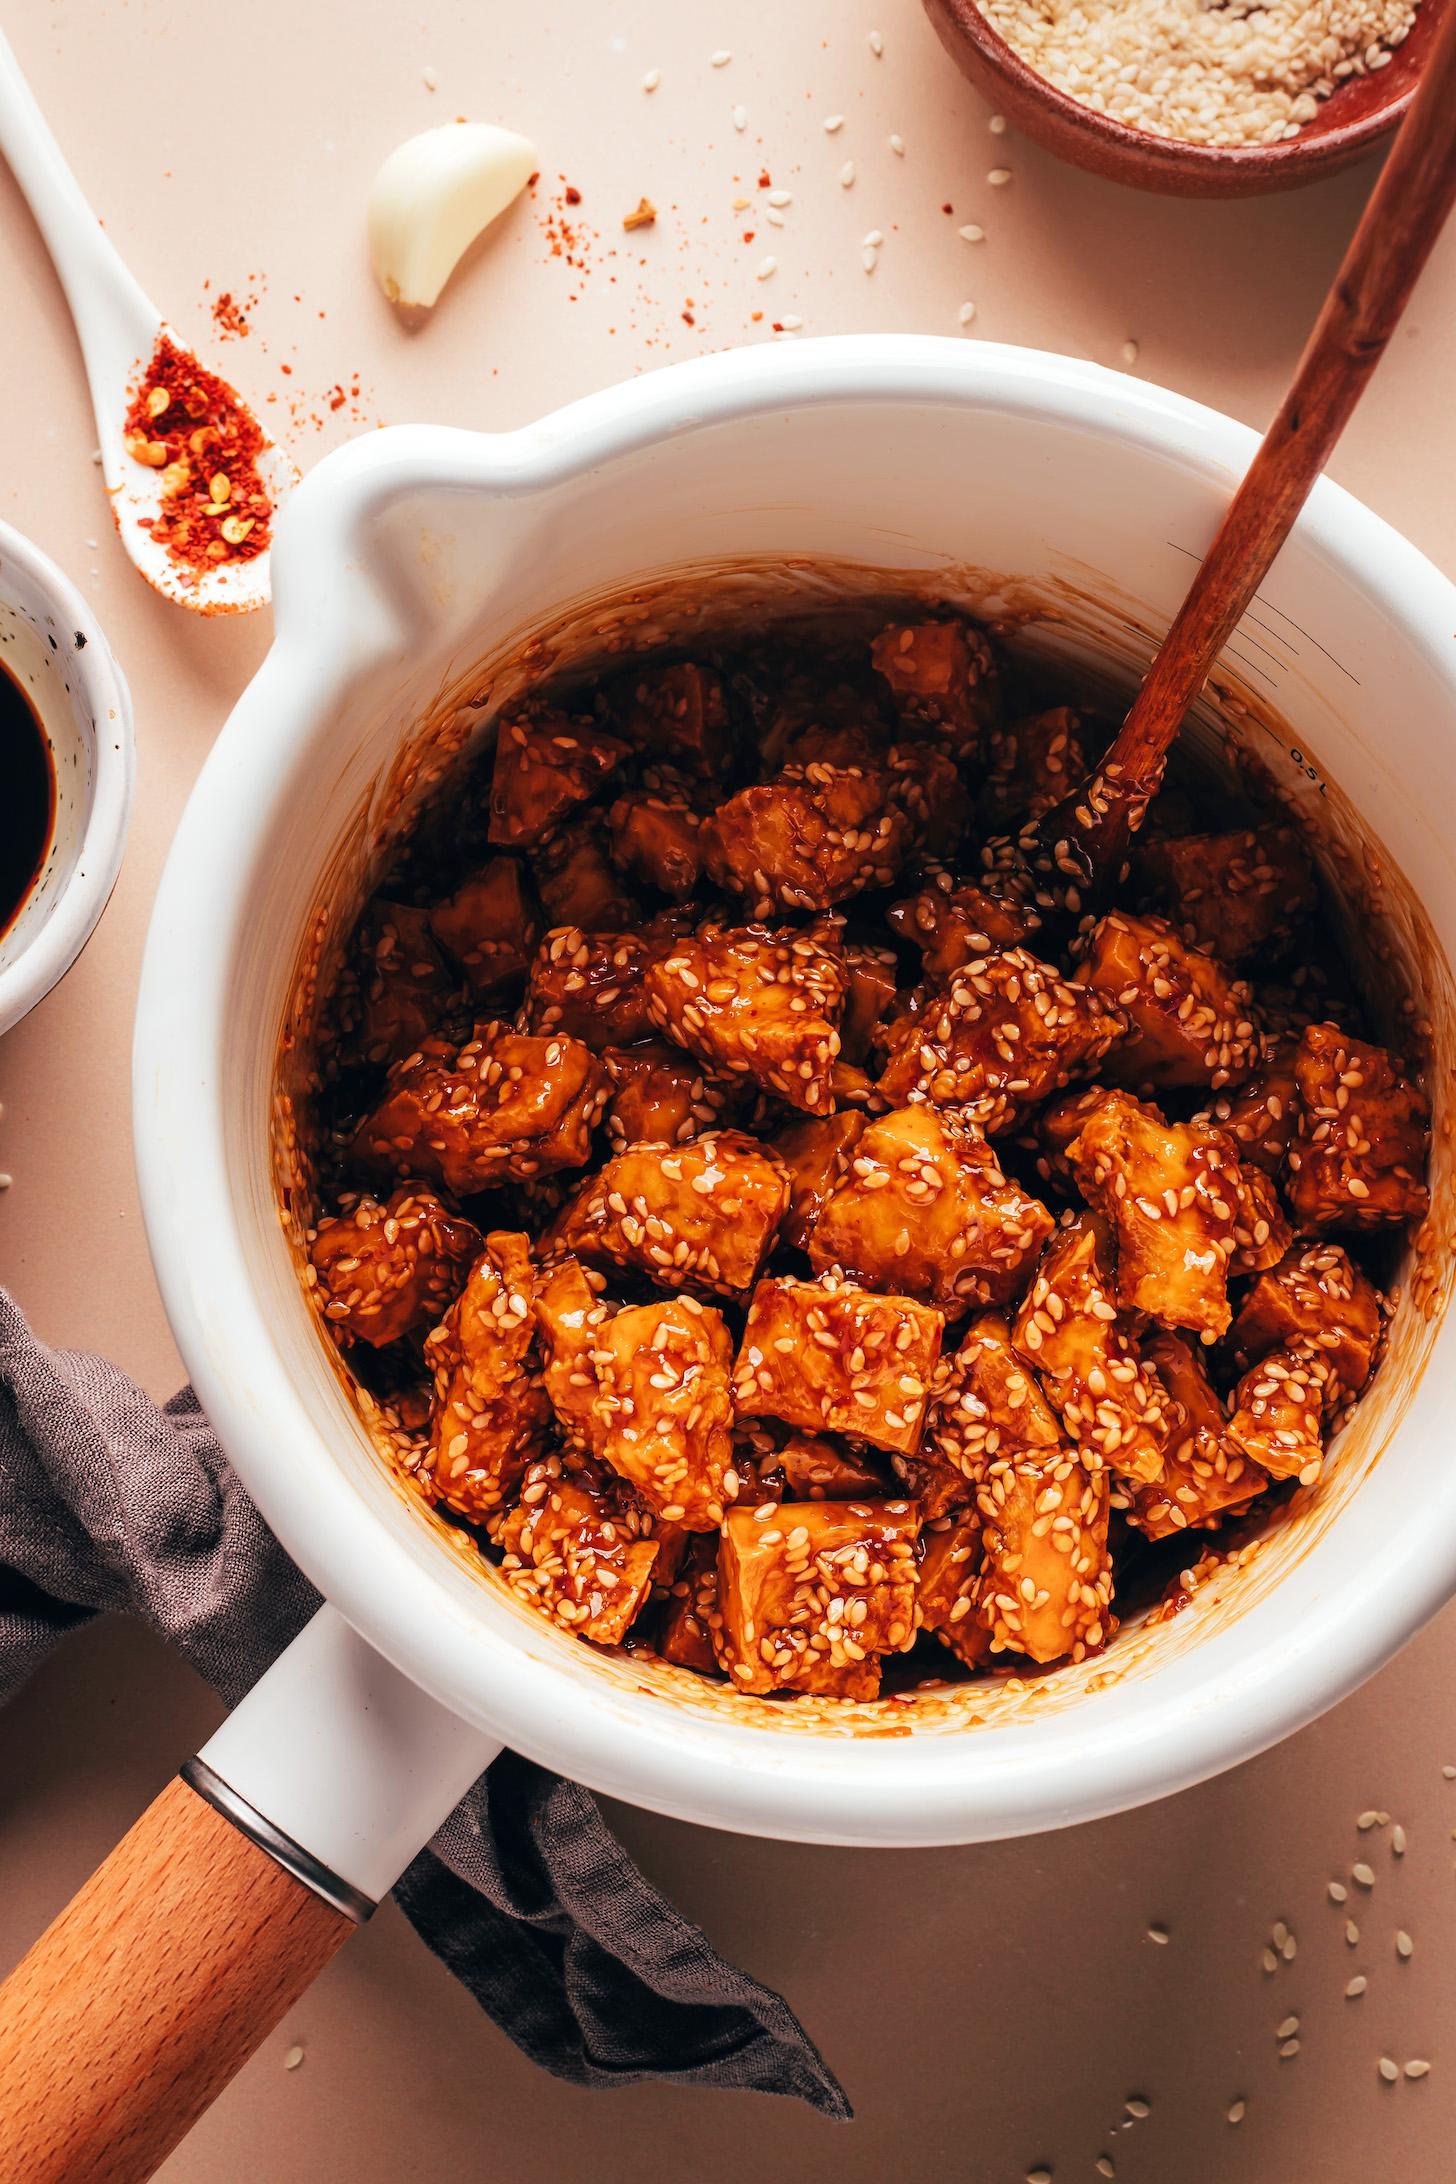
[[106, 702]]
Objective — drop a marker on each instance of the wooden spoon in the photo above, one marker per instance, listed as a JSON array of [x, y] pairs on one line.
[[1079, 846], [119, 328]]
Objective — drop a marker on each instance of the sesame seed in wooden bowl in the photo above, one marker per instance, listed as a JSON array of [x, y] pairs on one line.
[[1352, 120]]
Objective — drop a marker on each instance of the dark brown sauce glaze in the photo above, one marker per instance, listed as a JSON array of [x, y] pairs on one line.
[[27, 798]]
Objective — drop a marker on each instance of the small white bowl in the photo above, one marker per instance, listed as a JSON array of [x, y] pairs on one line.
[[51, 645]]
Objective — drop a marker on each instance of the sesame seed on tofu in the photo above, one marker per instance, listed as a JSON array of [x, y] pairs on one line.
[[1191, 1022], [545, 764], [388, 1270], [1361, 1138], [1067, 1329], [1003, 1033], [504, 1105], [1206, 1476], [811, 1594], [663, 1408], [491, 1411], [924, 1209], [700, 1216], [758, 1004], [578, 1549], [834, 1358]]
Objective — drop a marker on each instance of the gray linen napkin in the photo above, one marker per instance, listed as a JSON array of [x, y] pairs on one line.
[[108, 1504]]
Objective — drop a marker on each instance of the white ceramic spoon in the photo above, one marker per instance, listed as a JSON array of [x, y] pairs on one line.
[[118, 327]]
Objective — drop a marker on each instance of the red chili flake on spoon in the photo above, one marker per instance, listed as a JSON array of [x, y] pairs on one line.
[[190, 426]]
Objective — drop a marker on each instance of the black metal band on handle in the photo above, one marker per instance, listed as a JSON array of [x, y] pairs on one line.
[[293, 1858]]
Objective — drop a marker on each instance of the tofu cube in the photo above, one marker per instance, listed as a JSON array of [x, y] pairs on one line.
[[1361, 1139], [1031, 766], [1315, 1296], [403, 992], [588, 985], [872, 982], [545, 765], [985, 1403], [1067, 1330], [1205, 1473], [1260, 1114], [926, 1210], [1046, 1577], [665, 1410], [811, 1593], [952, 921], [578, 1551], [491, 1412], [813, 837], [701, 1216], [947, 1583], [569, 1314], [660, 1096], [942, 679], [1005, 1033], [578, 882], [1279, 1410], [925, 783], [679, 712], [1192, 1024], [383, 1271], [1233, 894], [490, 925], [657, 838], [833, 1358], [753, 1003], [1169, 1194], [503, 1107], [817, 1152]]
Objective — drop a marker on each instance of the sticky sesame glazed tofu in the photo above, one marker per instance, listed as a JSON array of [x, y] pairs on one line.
[[788, 1241], [502, 1106], [666, 1417], [925, 1209], [388, 1270], [1002, 1034], [813, 837], [750, 1002], [491, 1409], [1070, 1332], [696, 1216], [812, 1594], [1361, 1137], [1191, 1023], [835, 1358], [1169, 1194]]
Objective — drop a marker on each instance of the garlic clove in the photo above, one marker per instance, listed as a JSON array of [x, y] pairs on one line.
[[433, 196]]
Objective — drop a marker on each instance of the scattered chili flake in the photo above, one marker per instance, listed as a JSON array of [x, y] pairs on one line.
[[229, 315], [644, 216], [573, 195], [947, 208], [187, 423], [765, 180], [688, 319]]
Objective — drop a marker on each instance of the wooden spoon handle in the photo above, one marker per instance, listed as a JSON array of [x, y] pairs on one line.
[[150, 1990], [1405, 214]]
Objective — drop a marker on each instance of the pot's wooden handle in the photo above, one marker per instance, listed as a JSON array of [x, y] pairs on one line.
[[154, 1986]]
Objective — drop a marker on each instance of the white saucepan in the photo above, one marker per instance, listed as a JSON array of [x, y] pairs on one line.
[[412, 573]]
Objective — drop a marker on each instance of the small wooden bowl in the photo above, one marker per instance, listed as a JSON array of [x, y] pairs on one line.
[[1349, 123]]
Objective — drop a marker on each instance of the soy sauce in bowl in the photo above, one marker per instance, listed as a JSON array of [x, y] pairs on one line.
[[27, 799]]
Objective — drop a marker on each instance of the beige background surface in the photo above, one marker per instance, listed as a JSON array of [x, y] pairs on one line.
[[986, 2008]]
